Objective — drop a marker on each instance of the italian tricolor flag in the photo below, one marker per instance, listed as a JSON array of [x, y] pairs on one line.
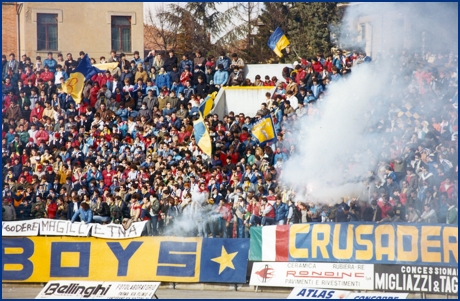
[[269, 243]]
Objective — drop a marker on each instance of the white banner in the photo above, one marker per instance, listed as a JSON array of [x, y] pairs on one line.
[[378, 296], [130, 290], [21, 228], [68, 289], [313, 274], [57, 227], [115, 231], [314, 293], [98, 290]]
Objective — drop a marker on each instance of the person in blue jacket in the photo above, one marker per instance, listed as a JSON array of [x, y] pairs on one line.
[[221, 76], [281, 211], [84, 212], [163, 79], [50, 62], [224, 60]]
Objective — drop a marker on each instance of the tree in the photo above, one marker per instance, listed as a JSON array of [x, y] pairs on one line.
[[199, 23], [273, 14], [309, 26], [160, 33], [240, 38]]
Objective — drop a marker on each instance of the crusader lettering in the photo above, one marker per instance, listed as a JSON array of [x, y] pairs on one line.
[[380, 243]]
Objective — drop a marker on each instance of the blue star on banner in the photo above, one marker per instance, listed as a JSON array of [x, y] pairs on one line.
[[224, 260]]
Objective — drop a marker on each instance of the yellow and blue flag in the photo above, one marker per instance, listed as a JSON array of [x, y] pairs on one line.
[[278, 41], [224, 260], [206, 107], [264, 130], [202, 138], [76, 81], [106, 66]]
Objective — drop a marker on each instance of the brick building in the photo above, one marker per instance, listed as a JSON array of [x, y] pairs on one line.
[[10, 27]]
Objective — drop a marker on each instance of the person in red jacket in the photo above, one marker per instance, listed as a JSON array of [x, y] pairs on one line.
[[328, 63], [41, 134], [47, 75], [27, 176], [93, 94], [28, 75], [268, 213], [316, 65], [447, 186], [51, 208], [300, 74], [254, 209], [108, 175], [37, 112], [226, 216]]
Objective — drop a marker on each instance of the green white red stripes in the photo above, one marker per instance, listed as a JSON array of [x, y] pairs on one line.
[[269, 243]]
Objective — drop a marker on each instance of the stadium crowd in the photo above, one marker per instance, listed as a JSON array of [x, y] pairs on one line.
[[127, 152]]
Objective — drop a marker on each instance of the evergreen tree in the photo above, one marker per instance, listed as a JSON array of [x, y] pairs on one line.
[[309, 26], [200, 22]]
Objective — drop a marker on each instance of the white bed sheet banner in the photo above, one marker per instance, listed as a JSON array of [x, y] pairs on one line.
[[55, 227]]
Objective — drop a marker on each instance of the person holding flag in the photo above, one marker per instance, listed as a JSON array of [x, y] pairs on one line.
[[264, 130], [75, 83], [207, 105], [202, 138]]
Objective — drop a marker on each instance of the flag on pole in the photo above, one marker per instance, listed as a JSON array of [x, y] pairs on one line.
[[202, 138], [264, 130], [206, 107], [76, 81], [278, 41]]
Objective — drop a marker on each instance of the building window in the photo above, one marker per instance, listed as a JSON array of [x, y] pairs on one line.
[[363, 31], [47, 32], [121, 33]]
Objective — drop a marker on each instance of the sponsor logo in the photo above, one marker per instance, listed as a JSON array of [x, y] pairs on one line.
[[320, 275], [405, 278], [266, 274], [76, 289]]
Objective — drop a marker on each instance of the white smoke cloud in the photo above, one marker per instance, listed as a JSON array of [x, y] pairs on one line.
[[337, 150]]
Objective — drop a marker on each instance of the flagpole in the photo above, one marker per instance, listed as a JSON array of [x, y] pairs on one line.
[[295, 51]]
